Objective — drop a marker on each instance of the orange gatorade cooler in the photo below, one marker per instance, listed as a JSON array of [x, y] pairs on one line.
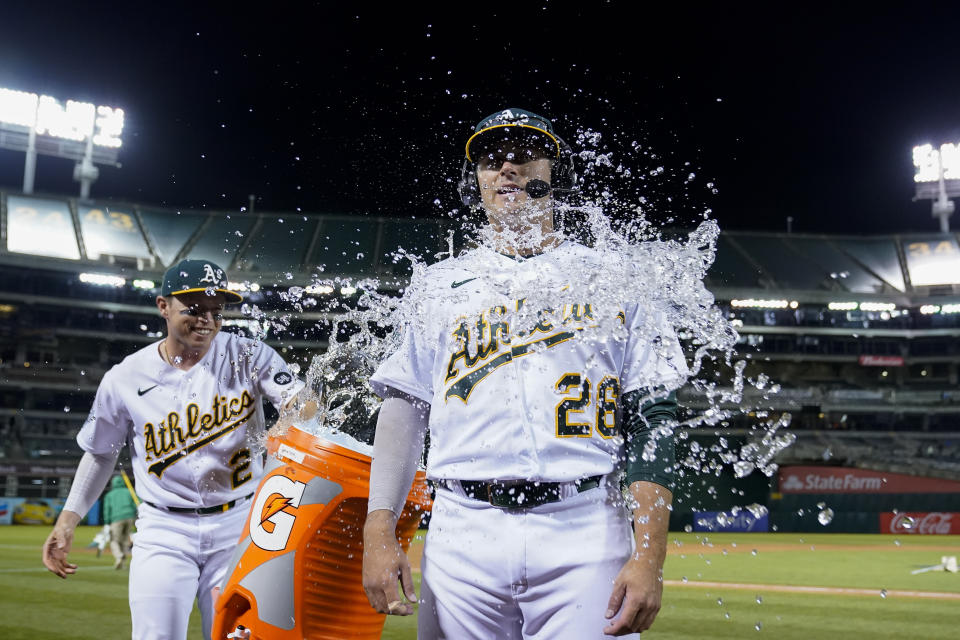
[[296, 572]]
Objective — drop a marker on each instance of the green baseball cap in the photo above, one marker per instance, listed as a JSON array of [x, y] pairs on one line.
[[525, 121], [189, 276]]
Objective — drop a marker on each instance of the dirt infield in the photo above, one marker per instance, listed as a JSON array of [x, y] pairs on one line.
[[884, 593]]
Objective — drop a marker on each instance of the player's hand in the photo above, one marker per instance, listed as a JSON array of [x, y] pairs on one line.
[[636, 597], [55, 551], [384, 565]]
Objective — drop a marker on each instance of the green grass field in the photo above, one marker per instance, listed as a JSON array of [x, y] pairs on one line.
[[758, 572]]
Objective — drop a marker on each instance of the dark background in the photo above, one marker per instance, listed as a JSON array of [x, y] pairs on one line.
[[810, 113]]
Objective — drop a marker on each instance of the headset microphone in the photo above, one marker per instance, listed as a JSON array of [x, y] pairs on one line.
[[537, 188]]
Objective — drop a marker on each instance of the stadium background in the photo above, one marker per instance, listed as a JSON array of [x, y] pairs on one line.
[[860, 332]]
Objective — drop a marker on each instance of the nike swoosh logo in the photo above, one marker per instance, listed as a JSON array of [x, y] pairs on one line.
[[461, 283], [140, 392]]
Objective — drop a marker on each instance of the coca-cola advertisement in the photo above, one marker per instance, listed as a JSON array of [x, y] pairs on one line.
[[924, 523], [802, 479]]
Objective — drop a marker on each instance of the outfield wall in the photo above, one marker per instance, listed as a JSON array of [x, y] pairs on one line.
[[863, 501], [810, 499]]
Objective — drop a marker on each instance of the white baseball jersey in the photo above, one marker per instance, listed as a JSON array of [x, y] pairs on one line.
[[193, 434], [523, 363]]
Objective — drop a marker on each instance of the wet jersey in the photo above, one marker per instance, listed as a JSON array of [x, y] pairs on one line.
[[524, 361], [192, 434]]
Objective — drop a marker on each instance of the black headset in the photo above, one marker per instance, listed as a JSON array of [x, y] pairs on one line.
[[563, 176]]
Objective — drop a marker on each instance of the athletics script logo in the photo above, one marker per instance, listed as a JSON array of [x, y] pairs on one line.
[[175, 437], [487, 343]]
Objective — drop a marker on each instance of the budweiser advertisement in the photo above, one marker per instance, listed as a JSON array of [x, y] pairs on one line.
[[921, 523], [804, 479], [881, 361]]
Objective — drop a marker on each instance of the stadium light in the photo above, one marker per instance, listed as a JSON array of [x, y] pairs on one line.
[[937, 178], [877, 306], [950, 308], [347, 290], [322, 289], [102, 279], [249, 324], [243, 286], [843, 306], [753, 303], [75, 130], [144, 284], [929, 309]]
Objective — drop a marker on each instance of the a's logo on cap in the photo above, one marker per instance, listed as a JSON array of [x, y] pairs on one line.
[[211, 275]]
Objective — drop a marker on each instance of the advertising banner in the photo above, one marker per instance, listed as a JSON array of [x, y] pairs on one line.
[[743, 520], [920, 523], [881, 361], [7, 507], [803, 479]]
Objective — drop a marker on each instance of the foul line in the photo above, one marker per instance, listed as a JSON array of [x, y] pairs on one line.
[[786, 588]]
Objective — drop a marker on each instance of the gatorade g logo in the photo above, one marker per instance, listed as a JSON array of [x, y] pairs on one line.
[[271, 520]]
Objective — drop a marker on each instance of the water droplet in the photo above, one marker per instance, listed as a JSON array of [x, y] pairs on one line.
[[825, 516], [759, 599], [742, 468], [720, 601], [758, 626], [883, 593]]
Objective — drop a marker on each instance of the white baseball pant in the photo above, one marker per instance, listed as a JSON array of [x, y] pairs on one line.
[[522, 574], [178, 558]]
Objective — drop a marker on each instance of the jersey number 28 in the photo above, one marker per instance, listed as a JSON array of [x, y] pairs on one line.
[[608, 392]]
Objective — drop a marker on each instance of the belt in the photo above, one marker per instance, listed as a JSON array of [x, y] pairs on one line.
[[522, 494], [203, 511]]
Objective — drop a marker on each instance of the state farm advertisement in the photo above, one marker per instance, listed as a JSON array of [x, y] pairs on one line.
[[920, 523], [849, 480]]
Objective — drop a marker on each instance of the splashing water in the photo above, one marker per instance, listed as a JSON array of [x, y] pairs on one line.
[[633, 261]]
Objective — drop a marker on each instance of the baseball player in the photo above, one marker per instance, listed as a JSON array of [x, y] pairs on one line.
[[190, 406], [119, 511], [537, 390]]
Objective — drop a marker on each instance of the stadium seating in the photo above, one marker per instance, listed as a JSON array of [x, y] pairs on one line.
[[860, 332]]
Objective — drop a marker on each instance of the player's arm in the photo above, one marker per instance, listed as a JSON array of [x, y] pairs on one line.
[[397, 448], [638, 588], [287, 392], [91, 477]]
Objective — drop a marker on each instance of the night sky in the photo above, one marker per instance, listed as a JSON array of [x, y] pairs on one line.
[[810, 114]]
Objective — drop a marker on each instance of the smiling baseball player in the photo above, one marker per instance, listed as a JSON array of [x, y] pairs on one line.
[[529, 537], [190, 406]]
